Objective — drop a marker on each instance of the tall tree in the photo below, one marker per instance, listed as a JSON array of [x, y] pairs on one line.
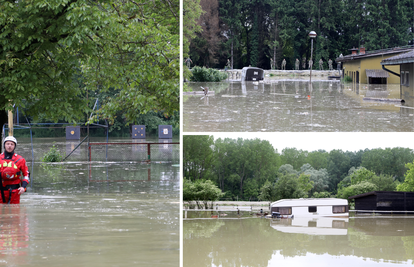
[[197, 156], [54, 53]]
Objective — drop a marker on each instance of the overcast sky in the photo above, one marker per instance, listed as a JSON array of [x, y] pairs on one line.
[[328, 141]]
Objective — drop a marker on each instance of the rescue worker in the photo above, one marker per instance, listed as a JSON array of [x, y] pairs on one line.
[[13, 172]]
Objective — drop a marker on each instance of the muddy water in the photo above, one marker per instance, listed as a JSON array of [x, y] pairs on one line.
[[292, 105], [369, 241], [94, 214]]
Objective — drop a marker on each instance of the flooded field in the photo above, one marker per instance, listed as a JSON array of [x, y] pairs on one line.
[[357, 241], [76, 213], [292, 105]]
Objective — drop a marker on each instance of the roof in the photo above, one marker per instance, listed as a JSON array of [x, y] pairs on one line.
[[399, 59], [375, 53], [309, 202], [375, 73], [374, 193]]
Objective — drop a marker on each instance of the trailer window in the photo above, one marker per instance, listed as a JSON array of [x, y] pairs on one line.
[[339, 209], [285, 210], [312, 209]]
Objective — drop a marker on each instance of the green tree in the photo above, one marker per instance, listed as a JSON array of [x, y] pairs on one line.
[[267, 192], [356, 189], [54, 54], [408, 184], [197, 156]]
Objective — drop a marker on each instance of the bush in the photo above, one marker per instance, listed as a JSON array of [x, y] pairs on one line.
[[207, 75], [347, 79], [53, 155]]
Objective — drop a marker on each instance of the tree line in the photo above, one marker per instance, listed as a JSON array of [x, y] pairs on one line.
[[251, 32], [251, 169]]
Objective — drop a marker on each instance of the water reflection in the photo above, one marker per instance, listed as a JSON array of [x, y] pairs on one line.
[[254, 242], [294, 105], [311, 226]]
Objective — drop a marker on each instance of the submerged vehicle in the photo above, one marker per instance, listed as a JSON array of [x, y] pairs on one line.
[[252, 74], [310, 207]]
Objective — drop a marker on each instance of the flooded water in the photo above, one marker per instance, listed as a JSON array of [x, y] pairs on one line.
[[76, 213], [292, 105], [357, 241]]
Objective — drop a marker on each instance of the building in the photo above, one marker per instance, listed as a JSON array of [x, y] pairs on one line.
[[405, 62], [365, 67], [311, 207], [385, 201]]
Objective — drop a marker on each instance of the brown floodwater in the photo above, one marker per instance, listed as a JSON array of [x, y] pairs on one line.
[[99, 213], [295, 106], [355, 241]]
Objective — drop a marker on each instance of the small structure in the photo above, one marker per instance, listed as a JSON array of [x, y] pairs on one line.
[[252, 74], [165, 131], [385, 201], [72, 132], [311, 207], [406, 63], [138, 132], [365, 66]]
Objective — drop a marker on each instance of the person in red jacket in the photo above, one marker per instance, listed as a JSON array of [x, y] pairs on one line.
[[14, 173]]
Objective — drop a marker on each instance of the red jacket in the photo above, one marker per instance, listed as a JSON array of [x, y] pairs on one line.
[[14, 170]]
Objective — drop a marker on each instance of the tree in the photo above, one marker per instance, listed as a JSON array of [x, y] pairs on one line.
[[197, 156], [56, 55], [204, 191], [205, 46], [267, 192], [356, 189], [191, 13], [408, 184]]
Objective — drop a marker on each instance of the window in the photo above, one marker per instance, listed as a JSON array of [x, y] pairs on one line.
[[339, 209], [312, 209], [285, 210], [402, 77], [407, 78]]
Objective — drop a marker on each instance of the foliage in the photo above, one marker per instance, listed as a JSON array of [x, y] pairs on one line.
[[347, 79], [408, 184], [197, 156], [356, 189], [52, 155], [56, 55], [248, 169], [292, 186], [251, 31], [201, 191], [321, 195], [191, 13], [207, 75], [267, 192]]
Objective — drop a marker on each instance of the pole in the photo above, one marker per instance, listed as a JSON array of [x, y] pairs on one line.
[[310, 77], [10, 123]]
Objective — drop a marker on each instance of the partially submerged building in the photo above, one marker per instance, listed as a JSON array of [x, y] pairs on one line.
[[365, 66], [405, 62], [385, 201]]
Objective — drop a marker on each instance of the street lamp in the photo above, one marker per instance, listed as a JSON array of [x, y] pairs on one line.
[[312, 35]]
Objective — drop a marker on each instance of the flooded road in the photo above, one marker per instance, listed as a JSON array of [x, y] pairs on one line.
[[292, 105], [78, 213], [359, 241]]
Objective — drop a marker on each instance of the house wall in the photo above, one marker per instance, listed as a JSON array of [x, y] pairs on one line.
[[366, 203], [375, 63], [386, 201], [407, 92], [351, 67]]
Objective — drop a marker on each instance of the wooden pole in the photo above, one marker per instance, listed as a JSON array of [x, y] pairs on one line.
[[10, 123]]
